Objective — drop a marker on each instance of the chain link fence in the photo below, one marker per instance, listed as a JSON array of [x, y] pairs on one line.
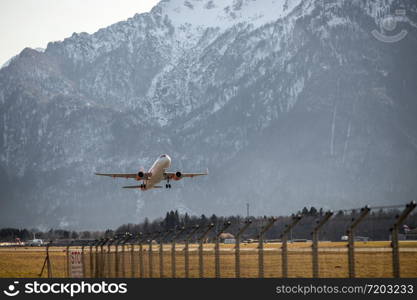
[[189, 253], [370, 261]]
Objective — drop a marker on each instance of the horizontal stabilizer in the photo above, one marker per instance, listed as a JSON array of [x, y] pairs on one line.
[[132, 187], [138, 187]]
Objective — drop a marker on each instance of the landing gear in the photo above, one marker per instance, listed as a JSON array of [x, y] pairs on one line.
[[143, 186], [168, 185]]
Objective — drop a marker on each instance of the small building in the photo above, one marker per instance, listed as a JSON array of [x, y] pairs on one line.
[[35, 242], [226, 236], [229, 241], [355, 238], [299, 240]]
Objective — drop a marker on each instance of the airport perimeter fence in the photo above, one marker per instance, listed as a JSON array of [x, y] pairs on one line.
[[186, 253]]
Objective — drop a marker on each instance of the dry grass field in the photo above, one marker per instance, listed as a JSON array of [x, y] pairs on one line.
[[373, 259]]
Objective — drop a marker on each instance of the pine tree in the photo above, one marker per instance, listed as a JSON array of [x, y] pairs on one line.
[[176, 219], [203, 220], [146, 225], [187, 220], [304, 212], [213, 219], [313, 211]]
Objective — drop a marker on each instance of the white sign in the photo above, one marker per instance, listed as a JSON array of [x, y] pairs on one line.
[[76, 264]]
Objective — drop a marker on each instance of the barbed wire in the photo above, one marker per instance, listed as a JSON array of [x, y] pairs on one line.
[[374, 207]]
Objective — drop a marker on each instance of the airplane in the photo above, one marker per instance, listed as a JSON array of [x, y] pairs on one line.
[[35, 241], [155, 175]]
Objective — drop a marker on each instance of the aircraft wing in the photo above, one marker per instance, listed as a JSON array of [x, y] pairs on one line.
[[170, 175], [134, 175]]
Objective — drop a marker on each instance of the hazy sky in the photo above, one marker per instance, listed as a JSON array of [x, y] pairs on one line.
[[34, 23]]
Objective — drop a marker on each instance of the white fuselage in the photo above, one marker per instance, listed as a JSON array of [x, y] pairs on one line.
[[157, 172]]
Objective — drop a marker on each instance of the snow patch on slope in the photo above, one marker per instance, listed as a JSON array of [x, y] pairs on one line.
[[224, 13]]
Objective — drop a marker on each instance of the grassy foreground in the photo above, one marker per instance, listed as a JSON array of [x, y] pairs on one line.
[[373, 259]]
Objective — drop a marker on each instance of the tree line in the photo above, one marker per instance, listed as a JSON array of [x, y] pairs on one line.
[[375, 226]]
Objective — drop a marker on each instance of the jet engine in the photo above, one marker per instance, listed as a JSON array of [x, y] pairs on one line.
[[177, 176], [141, 175]]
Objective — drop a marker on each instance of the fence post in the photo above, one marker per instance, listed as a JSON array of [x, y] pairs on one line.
[[284, 241], [150, 260], [132, 258], [116, 256], [217, 249], [47, 262], [68, 260], [161, 252], [109, 257], [351, 239], [96, 259], [91, 259], [126, 239], [102, 257], [173, 252], [186, 250], [237, 247], [83, 260], [99, 258], [118, 239], [315, 246], [141, 239], [123, 260], [200, 249], [394, 238], [264, 229]]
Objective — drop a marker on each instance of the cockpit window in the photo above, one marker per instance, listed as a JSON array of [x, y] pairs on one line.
[[162, 156]]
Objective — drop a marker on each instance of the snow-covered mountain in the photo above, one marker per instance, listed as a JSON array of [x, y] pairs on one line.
[[289, 103]]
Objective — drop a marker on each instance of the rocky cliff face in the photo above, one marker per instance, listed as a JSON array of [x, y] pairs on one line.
[[289, 103]]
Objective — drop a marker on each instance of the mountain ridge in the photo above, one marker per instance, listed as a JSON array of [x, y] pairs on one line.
[[295, 112]]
